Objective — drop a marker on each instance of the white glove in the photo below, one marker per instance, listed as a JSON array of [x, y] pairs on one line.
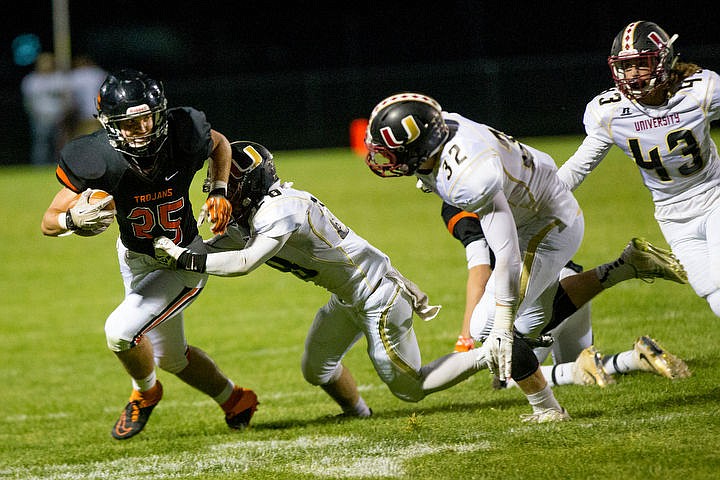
[[203, 216], [499, 347], [84, 216], [166, 252], [500, 342]]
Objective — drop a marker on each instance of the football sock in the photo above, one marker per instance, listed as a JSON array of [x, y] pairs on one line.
[[359, 410], [543, 400], [623, 362], [225, 394], [615, 272], [146, 383], [560, 374]]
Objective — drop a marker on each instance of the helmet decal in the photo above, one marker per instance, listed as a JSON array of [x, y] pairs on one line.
[[411, 128], [628, 37], [245, 163], [254, 154], [138, 109], [404, 97], [656, 39]]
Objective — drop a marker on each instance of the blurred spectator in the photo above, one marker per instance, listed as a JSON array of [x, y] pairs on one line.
[[85, 78], [47, 101]]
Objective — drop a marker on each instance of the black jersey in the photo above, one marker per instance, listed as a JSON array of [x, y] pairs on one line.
[[148, 204]]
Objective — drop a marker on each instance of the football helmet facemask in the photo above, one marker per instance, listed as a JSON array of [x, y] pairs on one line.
[[404, 130], [131, 94], [252, 174], [645, 46]]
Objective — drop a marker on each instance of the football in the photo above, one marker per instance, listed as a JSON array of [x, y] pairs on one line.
[[95, 197]]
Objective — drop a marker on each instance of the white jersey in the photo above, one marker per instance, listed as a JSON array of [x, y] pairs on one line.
[[671, 144], [521, 203], [319, 248], [479, 161]]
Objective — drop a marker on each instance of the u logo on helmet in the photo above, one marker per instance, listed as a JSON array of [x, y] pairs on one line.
[[246, 163], [254, 155], [411, 128]]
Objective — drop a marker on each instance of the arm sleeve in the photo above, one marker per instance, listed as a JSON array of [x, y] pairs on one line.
[[588, 156], [233, 263], [234, 238], [477, 253], [501, 233]]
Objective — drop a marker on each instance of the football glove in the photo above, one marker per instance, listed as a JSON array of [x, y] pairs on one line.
[[166, 252], [84, 216], [217, 210], [464, 344], [499, 346], [500, 342]]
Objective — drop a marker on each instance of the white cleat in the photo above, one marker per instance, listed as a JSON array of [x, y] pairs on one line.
[[546, 416]]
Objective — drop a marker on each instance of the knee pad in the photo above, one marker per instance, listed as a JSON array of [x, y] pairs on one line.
[[524, 361], [116, 337]]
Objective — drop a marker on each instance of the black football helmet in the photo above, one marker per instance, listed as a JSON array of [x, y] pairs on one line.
[[130, 94], [641, 44], [252, 173], [403, 131]]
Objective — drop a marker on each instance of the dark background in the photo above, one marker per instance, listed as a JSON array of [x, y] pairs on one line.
[[296, 76]]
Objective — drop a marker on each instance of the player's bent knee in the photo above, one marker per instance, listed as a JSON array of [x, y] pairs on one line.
[[405, 387], [320, 374], [116, 334], [524, 361], [115, 340], [714, 301], [412, 397]]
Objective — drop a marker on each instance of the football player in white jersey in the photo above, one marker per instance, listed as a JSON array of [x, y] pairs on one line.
[[659, 114], [575, 358], [291, 230], [531, 221]]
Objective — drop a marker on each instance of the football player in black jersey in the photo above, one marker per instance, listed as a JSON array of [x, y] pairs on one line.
[[146, 157]]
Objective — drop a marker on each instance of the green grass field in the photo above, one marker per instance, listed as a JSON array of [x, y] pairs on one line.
[[62, 390]]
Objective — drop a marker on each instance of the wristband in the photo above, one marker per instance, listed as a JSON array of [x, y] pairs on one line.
[[504, 317], [66, 222], [193, 262], [218, 187]]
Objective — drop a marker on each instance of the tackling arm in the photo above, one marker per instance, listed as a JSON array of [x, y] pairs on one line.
[[588, 156], [231, 263]]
